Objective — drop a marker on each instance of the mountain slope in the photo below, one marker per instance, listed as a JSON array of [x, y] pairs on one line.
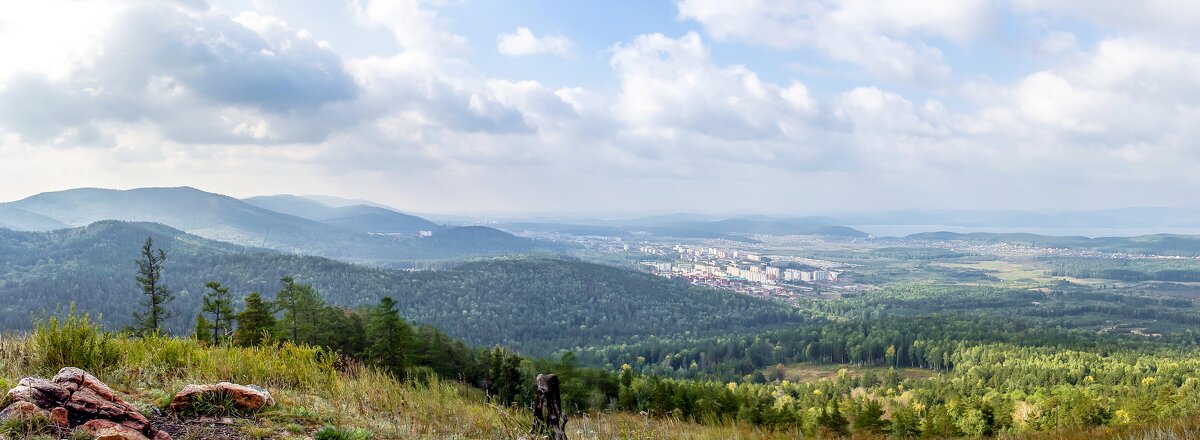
[[362, 218], [292, 205], [18, 219], [205, 214], [536, 305], [224, 218]]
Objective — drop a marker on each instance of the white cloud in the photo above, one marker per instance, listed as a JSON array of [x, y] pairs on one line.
[[414, 25], [1056, 42], [523, 42], [671, 85], [263, 101], [884, 37]]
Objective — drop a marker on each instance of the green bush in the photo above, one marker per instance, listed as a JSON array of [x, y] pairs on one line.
[[336, 433], [213, 405], [73, 340]]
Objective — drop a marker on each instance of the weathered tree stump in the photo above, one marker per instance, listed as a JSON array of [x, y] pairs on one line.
[[548, 417]]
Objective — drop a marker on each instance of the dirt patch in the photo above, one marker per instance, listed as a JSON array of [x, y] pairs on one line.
[[808, 372], [214, 428]]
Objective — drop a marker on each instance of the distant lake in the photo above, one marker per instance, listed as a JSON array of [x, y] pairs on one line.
[[904, 230]]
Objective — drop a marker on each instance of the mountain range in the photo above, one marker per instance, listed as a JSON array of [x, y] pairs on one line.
[[358, 233]]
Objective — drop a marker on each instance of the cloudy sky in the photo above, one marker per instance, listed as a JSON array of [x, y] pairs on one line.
[[786, 106]]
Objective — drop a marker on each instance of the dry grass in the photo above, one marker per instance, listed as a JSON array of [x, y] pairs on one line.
[[312, 393]]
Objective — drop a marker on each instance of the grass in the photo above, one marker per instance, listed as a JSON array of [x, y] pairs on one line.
[[32, 427], [356, 402]]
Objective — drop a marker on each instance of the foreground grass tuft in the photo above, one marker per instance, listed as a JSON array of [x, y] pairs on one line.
[[336, 433]]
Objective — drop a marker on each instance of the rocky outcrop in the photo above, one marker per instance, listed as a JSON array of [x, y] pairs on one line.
[[22, 410], [75, 398], [244, 398]]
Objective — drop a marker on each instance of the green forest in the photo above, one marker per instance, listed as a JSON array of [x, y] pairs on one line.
[[905, 360]]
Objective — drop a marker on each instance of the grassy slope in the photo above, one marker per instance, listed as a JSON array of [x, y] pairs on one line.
[[314, 390]]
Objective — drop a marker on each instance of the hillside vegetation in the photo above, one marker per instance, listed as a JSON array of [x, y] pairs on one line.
[[535, 306]]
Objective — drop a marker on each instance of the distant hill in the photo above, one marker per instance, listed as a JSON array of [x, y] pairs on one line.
[[378, 220], [769, 227], [292, 205], [1161, 244], [224, 218], [361, 217], [15, 218], [338, 202], [1134, 217], [676, 226], [565, 228], [535, 305]]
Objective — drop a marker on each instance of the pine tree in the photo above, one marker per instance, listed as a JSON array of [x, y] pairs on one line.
[[301, 307], [255, 323], [218, 303], [832, 420], [388, 337], [149, 277], [202, 327], [870, 418]]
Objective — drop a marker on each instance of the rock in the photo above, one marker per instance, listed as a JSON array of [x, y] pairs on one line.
[[22, 410], [40, 392], [106, 430], [46, 394], [244, 397], [20, 393], [75, 379], [76, 398], [88, 404], [60, 417]]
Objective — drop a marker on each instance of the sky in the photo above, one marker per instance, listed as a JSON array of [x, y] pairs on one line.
[[710, 106]]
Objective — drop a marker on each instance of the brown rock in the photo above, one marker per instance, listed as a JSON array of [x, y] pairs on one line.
[[75, 379], [244, 397], [86, 403], [161, 435], [41, 392], [47, 394], [21, 393], [22, 410], [106, 430], [70, 378], [60, 417]]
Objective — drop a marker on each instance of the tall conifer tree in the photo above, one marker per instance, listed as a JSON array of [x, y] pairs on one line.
[[150, 268]]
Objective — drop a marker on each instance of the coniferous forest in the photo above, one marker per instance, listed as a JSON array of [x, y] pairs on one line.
[[907, 361]]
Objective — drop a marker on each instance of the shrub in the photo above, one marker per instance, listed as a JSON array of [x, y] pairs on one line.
[[213, 405], [336, 433], [73, 341]]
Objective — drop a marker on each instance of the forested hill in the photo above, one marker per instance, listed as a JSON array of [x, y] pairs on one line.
[[218, 217], [360, 217], [532, 305], [1161, 244]]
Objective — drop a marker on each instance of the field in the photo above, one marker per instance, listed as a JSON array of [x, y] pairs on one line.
[[811, 372]]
